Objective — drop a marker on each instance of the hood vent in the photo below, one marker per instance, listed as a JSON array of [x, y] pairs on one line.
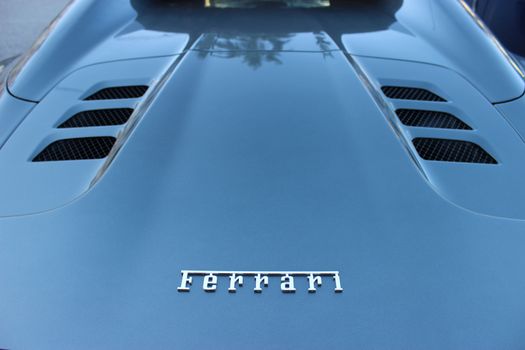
[[118, 93], [452, 151], [430, 119], [407, 93], [99, 117], [77, 149]]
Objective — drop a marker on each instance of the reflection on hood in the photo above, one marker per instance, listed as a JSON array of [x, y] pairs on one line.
[[257, 30], [266, 16]]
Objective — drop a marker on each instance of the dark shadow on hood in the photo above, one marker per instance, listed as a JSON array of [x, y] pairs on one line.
[[258, 30], [192, 17]]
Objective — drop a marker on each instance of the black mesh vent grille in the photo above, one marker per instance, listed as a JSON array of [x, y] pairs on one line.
[[452, 151], [406, 93], [99, 117], [118, 93], [430, 119], [77, 149]]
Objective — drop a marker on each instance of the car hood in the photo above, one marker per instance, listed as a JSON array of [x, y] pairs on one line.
[[283, 156]]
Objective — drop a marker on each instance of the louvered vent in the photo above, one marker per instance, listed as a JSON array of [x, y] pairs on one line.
[[118, 93], [99, 117], [430, 119], [77, 149], [407, 93], [452, 151]]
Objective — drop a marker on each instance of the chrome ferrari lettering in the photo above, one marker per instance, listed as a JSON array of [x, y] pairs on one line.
[[186, 282], [287, 284], [211, 280], [235, 279], [210, 283], [258, 280], [337, 281], [313, 281]]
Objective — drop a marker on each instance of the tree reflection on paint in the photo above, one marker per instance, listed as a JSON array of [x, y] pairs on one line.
[[252, 48]]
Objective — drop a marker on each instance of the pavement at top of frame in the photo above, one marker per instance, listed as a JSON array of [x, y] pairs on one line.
[[22, 21]]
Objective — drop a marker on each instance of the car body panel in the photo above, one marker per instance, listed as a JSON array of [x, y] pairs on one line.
[[87, 33], [264, 151], [459, 183], [51, 186], [514, 112], [429, 32], [14, 111], [211, 190], [410, 29]]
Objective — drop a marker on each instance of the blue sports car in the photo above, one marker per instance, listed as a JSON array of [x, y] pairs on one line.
[[265, 174]]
